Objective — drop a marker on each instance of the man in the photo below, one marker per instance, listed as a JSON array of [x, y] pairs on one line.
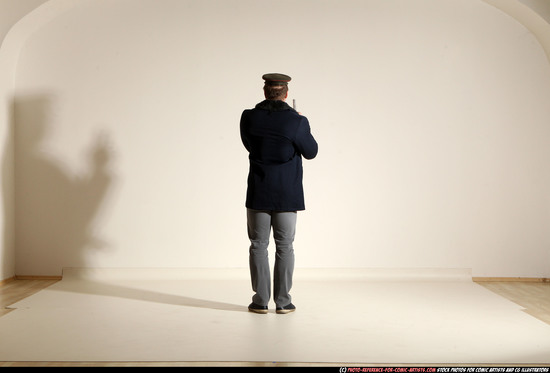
[[276, 137]]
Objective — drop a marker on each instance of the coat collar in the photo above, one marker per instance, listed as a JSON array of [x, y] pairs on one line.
[[273, 105]]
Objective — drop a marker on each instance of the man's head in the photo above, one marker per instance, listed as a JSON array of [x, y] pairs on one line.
[[276, 86]]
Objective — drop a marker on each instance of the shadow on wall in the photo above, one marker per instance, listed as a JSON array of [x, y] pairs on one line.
[[54, 210]]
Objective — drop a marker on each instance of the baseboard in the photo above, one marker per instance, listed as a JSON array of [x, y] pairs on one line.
[[474, 279], [23, 277], [7, 280], [510, 279]]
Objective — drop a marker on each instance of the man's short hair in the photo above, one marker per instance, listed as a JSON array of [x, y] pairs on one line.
[[275, 91]]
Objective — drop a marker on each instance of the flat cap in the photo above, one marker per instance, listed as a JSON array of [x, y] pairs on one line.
[[276, 79]]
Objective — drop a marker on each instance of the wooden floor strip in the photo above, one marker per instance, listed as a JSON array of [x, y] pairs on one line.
[[510, 279]]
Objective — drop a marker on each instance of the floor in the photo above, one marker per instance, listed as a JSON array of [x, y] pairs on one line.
[[107, 319], [533, 297]]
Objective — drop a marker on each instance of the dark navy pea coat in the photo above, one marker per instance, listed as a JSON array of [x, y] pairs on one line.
[[277, 138]]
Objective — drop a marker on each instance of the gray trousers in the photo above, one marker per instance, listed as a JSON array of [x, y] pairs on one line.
[[259, 231]]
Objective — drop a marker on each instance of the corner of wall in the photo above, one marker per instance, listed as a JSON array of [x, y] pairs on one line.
[[529, 18], [36, 15]]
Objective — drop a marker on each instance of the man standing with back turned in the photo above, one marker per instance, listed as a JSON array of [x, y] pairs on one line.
[[276, 137]]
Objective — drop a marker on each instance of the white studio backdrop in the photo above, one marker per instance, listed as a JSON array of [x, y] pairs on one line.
[[431, 117]]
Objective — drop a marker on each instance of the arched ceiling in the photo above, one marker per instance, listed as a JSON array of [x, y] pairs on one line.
[[11, 11], [541, 7], [533, 14]]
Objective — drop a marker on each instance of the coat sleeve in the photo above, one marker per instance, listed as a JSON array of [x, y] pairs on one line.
[[244, 137], [305, 142]]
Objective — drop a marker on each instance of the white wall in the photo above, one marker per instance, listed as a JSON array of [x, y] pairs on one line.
[[431, 116], [7, 247]]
